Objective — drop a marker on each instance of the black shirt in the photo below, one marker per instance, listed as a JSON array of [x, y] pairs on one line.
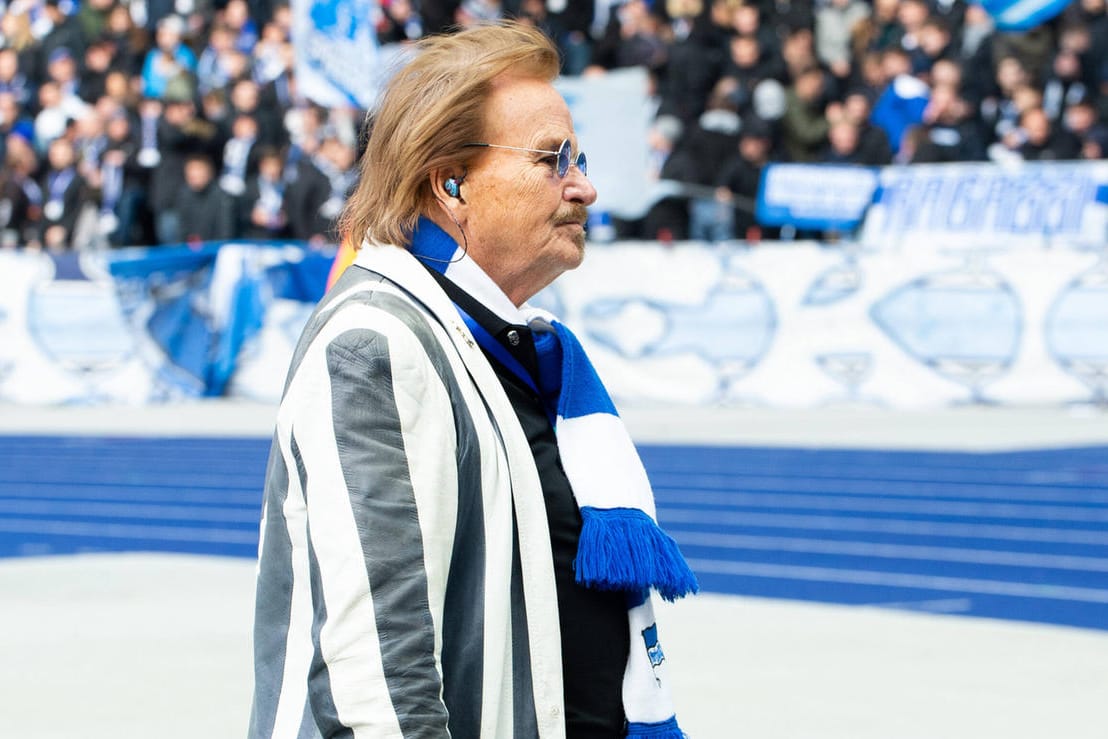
[[594, 627]]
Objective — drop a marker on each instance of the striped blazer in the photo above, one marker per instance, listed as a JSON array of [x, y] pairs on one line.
[[405, 583]]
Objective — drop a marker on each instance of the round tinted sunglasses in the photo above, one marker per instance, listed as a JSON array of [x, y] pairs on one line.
[[564, 154]]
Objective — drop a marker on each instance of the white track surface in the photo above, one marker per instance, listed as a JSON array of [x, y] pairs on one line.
[[140, 645]]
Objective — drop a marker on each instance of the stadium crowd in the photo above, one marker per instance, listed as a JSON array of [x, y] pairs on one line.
[[177, 121]]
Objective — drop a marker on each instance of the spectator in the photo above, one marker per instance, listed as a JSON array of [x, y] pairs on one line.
[[273, 55], [20, 195], [15, 34], [215, 109], [264, 198], [798, 54], [668, 217], [239, 155], [714, 136], [169, 59], [1080, 119], [747, 66], [65, 193], [692, 68], [99, 63], [741, 175], [56, 113], [804, 127], [205, 212], [873, 144], [567, 23], [89, 141], [934, 45], [835, 24], [974, 53], [843, 141], [65, 33], [62, 70], [950, 132], [632, 39], [1095, 144], [92, 16], [1042, 141], [123, 182], [1065, 83], [246, 99], [181, 133], [12, 79], [336, 161], [911, 15], [307, 193], [12, 120], [130, 41], [214, 67], [902, 102], [746, 20], [236, 16], [880, 31]]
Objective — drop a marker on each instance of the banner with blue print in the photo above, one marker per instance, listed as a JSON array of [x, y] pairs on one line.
[[338, 61], [801, 325], [791, 325], [986, 206], [141, 326], [815, 196], [1022, 15]]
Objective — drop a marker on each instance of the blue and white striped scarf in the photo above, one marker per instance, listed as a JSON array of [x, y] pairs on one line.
[[621, 545]]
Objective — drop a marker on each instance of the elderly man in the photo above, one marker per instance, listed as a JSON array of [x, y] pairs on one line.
[[458, 536]]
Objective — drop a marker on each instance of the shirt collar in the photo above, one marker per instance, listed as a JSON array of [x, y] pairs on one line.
[[438, 251]]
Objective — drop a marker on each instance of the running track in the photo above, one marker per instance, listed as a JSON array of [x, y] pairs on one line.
[[1014, 535]]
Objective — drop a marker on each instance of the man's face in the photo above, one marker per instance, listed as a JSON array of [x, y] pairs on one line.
[[60, 153], [524, 224], [198, 173]]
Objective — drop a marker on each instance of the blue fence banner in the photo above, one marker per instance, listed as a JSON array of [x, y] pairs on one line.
[[815, 196]]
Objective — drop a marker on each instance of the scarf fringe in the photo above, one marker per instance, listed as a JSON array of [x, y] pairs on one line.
[[623, 549], [662, 730]]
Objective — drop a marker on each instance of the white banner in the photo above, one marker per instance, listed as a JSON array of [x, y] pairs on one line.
[[802, 325], [988, 206], [612, 115], [782, 325]]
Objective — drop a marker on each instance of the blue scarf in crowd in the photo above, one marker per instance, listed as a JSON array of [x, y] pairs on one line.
[[621, 545]]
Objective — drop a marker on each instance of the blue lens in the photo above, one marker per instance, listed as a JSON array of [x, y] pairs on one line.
[[564, 153]]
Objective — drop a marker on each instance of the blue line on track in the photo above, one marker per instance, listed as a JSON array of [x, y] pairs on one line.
[[1015, 535]]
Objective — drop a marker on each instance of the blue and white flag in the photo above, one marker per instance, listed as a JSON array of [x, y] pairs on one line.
[[820, 196], [338, 62], [1021, 15]]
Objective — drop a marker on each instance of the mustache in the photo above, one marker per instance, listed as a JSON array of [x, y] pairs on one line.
[[574, 214]]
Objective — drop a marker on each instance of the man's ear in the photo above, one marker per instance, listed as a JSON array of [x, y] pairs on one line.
[[446, 185]]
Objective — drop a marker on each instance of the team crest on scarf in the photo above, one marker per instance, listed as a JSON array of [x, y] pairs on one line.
[[653, 648]]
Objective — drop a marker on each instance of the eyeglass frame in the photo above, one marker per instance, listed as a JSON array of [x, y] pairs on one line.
[[563, 153]]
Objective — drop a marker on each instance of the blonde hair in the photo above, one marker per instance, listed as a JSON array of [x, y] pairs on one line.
[[431, 108]]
